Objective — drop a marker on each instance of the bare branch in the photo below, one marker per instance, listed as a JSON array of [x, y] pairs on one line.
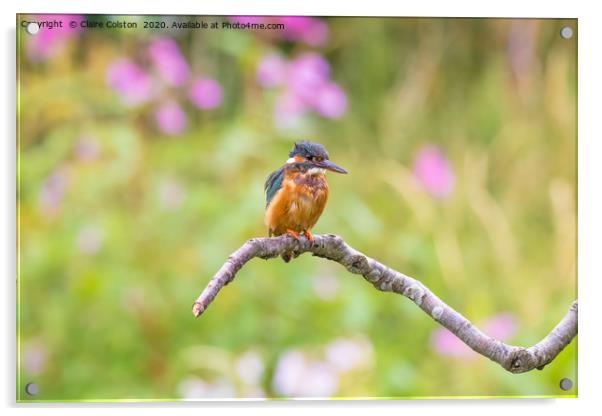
[[513, 358]]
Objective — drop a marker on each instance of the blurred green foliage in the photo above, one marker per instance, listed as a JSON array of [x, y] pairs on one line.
[[117, 239]]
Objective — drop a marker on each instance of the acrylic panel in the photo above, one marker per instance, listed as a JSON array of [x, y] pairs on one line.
[[145, 152]]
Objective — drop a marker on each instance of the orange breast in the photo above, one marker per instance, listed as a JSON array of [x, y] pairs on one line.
[[298, 204]]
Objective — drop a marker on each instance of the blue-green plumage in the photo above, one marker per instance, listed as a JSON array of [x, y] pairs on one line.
[[273, 184]]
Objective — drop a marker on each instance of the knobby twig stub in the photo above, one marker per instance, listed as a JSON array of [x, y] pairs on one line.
[[513, 358]]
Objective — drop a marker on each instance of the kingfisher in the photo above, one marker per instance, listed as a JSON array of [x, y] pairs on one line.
[[296, 193]]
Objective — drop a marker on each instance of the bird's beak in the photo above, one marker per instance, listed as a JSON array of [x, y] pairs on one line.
[[327, 164]]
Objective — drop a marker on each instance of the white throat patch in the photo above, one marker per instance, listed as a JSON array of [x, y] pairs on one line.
[[316, 171]]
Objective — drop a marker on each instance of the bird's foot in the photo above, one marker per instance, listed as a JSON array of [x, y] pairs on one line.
[[292, 233], [308, 235]]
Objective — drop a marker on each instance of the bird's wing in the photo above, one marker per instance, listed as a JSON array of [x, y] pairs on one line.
[[272, 184]]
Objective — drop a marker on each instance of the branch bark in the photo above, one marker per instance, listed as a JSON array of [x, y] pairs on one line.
[[513, 358]]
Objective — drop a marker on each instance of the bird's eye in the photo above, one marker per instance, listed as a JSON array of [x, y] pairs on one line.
[[318, 159]]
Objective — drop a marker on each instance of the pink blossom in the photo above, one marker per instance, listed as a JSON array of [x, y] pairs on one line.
[[307, 87], [271, 71], [346, 354], [330, 101], [446, 343], [320, 380], [206, 93], [307, 75], [317, 34], [295, 26], [288, 110], [500, 327], [170, 118], [289, 373], [433, 171], [52, 192], [249, 368], [196, 388], [34, 358], [296, 376], [521, 50], [50, 40], [309, 30], [130, 81], [169, 61]]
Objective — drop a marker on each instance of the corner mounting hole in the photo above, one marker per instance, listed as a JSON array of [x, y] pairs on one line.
[[566, 32], [32, 28], [32, 389], [566, 384]]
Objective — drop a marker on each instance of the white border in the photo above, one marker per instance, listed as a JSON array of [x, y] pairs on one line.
[[590, 206]]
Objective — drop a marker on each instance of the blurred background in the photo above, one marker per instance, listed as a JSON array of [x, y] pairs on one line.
[[141, 163]]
